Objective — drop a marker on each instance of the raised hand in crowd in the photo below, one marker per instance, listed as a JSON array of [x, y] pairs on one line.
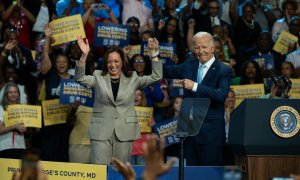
[[11, 44], [191, 23], [153, 46], [125, 169], [48, 31], [154, 158], [190, 33], [127, 50], [232, 62], [93, 7], [72, 4], [292, 47], [31, 169], [105, 7], [19, 3], [161, 24], [46, 62], [27, 13], [154, 161]]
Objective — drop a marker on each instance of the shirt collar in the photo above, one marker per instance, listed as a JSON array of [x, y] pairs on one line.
[[209, 62]]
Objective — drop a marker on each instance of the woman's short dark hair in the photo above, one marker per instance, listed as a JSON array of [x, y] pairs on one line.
[[125, 65], [5, 101]]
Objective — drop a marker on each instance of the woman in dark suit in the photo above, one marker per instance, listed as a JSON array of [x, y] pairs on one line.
[[114, 124]]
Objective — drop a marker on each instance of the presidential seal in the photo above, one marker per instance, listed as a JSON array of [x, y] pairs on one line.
[[285, 121]]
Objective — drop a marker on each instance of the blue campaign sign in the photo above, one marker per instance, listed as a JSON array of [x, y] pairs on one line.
[[265, 61], [144, 49], [111, 34], [71, 91], [166, 51], [167, 129]]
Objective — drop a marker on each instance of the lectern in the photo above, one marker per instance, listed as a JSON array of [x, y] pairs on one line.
[[263, 134]]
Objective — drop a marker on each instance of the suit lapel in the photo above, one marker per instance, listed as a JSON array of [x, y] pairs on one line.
[[195, 67], [107, 87], [122, 86], [211, 72]]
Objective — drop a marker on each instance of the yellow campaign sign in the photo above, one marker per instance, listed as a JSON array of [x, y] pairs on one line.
[[66, 29], [144, 115], [58, 170], [283, 42], [30, 115], [54, 113], [135, 49], [295, 90], [247, 91]]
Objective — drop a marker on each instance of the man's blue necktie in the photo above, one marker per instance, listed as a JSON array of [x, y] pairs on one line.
[[200, 73]]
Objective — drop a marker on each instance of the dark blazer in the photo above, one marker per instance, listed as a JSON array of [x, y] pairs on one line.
[[215, 86], [203, 23]]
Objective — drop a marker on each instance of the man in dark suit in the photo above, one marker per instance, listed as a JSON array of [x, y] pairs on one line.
[[205, 77], [206, 22]]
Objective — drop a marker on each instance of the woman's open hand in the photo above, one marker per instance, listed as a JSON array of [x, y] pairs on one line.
[[84, 45]]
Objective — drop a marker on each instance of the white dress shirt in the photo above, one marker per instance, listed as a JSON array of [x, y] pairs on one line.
[[215, 21]]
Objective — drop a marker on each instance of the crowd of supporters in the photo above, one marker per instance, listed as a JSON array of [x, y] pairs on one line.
[[244, 31]]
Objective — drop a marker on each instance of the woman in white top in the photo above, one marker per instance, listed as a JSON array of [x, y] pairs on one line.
[[12, 143]]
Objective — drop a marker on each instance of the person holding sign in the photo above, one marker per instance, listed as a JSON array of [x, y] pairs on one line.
[[90, 19], [289, 8], [204, 76], [55, 138], [12, 143], [114, 123], [137, 157]]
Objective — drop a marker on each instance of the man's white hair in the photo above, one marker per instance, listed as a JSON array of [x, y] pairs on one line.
[[202, 34]]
